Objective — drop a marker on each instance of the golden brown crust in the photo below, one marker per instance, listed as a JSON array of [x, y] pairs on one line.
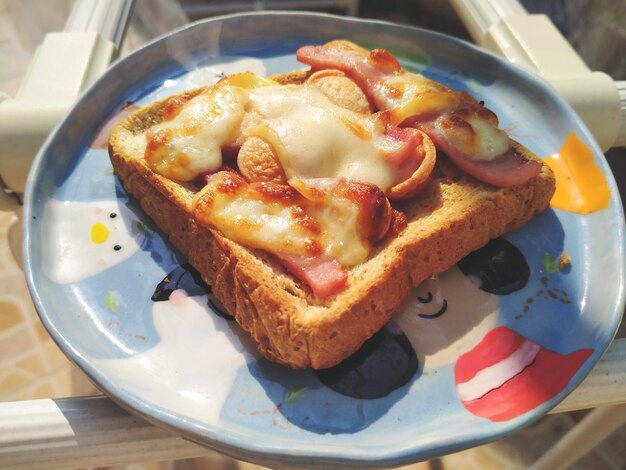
[[455, 215]]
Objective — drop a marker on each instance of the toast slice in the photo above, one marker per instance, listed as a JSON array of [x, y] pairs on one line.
[[455, 215]]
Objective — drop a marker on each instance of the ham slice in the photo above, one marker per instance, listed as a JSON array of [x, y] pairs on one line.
[[324, 276], [377, 74], [508, 169], [402, 143], [367, 69]]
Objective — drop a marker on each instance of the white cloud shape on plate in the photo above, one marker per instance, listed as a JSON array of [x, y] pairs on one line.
[[191, 370], [82, 239]]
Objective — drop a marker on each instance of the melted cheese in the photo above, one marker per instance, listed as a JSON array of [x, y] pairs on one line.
[[491, 142], [191, 143], [478, 140], [330, 231], [312, 136], [315, 138], [409, 95]]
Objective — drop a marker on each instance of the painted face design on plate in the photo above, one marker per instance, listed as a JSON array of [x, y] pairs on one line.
[[82, 239], [499, 374], [446, 316]]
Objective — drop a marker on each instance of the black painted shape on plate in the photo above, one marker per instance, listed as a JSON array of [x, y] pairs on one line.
[[383, 364], [187, 278], [499, 265]]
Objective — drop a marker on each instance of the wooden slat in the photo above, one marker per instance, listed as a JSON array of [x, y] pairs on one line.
[[82, 433]]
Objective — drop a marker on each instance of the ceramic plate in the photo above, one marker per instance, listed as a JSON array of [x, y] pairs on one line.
[[476, 353]]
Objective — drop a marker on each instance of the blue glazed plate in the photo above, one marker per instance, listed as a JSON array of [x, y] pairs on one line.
[[131, 314]]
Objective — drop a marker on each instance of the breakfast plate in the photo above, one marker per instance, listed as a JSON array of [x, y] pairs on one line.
[[476, 353]]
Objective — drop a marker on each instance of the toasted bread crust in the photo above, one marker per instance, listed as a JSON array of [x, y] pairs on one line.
[[455, 215]]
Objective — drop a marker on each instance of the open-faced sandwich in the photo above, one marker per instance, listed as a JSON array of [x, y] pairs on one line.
[[312, 202]]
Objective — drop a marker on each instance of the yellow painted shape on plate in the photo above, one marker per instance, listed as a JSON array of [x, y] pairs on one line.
[[580, 184], [99, 233]]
